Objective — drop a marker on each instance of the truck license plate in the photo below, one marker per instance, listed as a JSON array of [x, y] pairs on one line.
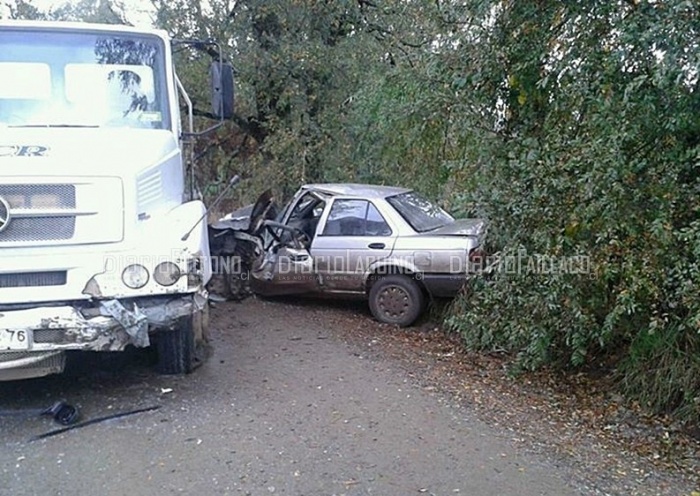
[[14, 340]]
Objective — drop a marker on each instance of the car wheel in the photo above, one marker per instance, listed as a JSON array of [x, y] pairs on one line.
[[396, 299], [176, 348]]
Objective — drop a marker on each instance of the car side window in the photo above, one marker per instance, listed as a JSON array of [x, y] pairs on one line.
[[376, 225], [301, 207], [355, 218], [306, 214]]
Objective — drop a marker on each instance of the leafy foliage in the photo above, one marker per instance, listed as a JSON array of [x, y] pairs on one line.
[[598, 156]]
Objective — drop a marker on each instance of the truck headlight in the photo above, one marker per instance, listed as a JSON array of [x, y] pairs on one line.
[[135, 276], [166, 273]]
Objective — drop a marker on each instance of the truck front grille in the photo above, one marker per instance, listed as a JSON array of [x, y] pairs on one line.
[[45, 336], [39, 196], [33, 279], [76, 210], [39, 229], [40, 206]]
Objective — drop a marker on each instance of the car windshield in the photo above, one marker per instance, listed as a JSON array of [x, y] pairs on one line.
[[81, 79], [422, 214]]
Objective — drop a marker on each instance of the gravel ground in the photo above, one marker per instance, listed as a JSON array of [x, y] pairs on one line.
[[314, 399]]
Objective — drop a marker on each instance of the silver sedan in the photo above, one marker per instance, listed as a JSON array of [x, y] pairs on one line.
[[386, 244]]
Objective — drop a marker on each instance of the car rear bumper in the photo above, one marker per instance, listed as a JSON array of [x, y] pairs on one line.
[[443, 285]]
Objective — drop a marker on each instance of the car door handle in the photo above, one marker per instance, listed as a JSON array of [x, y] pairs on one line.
[[376, 246]]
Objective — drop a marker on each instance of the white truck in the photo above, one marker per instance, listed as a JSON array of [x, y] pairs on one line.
[[102, 241]]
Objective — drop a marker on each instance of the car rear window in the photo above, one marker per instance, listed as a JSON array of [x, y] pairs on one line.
[[421, 214]]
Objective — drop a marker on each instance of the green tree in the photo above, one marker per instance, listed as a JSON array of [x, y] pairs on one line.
[[294, 63], [596, 154]]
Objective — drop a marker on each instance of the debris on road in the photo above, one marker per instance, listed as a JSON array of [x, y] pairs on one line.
[[62, 412], [56, 432]]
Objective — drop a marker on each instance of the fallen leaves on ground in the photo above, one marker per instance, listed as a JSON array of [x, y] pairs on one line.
[[578, 416]]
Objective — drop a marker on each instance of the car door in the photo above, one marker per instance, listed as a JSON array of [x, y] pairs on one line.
[[286, 266], [285, 270], [351, 237]]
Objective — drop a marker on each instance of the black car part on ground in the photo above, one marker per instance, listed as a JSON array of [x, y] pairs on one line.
[[62, 412], [93, 421]]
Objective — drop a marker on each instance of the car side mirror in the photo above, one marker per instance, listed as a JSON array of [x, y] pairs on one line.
[[222, 98]]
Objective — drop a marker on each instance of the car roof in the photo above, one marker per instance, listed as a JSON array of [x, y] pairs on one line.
[[358, 190]]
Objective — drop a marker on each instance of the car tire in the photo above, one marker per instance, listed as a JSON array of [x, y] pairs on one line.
[[176, 348], [396, 299]]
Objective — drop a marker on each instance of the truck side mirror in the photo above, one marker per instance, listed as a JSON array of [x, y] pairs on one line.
[[221, 77]]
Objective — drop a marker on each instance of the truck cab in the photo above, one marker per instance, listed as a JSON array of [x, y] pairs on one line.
[[101, 246]]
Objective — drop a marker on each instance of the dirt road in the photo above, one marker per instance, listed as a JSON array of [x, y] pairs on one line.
[[287, 403]]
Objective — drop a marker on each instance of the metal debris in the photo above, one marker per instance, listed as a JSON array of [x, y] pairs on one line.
[[56, 432]]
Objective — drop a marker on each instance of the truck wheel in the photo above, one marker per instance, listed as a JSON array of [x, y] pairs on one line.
[[176, 352], [396, 299]]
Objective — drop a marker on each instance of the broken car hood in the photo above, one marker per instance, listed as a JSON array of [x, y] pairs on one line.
[[238, 220], [249, 218]]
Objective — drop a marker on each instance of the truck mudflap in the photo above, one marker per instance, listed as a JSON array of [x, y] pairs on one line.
[[30, 337]]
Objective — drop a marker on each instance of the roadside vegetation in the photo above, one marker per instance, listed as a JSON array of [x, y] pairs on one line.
[[573, 127]]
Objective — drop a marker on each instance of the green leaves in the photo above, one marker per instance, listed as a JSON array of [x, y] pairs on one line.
[[599, 120]]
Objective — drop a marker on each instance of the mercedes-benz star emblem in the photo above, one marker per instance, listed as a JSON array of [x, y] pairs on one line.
[[4, 214]]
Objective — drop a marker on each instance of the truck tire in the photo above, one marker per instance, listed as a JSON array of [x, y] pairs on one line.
[[176, 348], [396, 299]]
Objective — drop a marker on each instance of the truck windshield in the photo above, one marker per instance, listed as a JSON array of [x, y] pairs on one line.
[[82, 79]]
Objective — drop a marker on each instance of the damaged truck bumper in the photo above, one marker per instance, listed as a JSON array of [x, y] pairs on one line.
[[33, 341]]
